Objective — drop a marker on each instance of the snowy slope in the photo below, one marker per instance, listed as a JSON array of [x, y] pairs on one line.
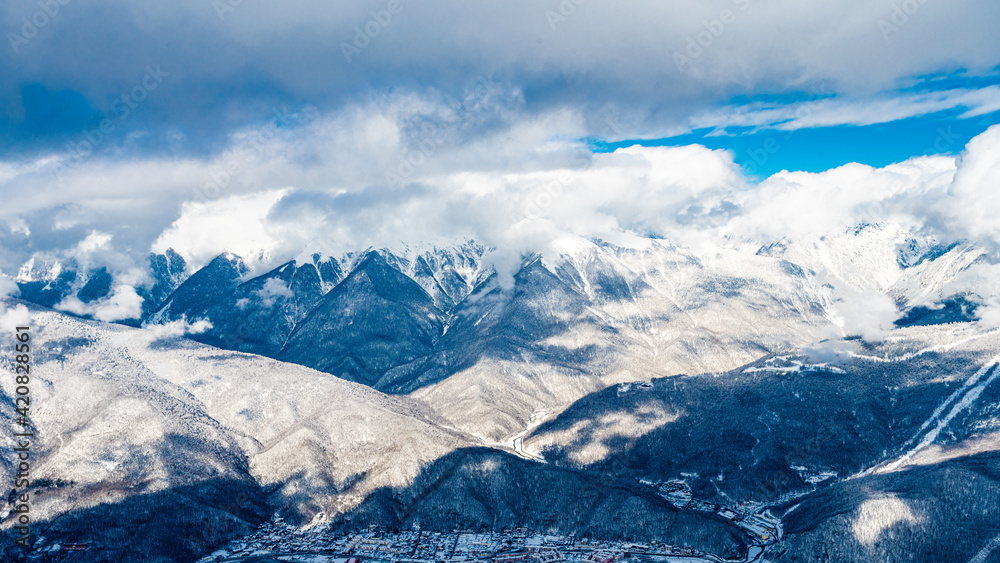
[[130, 417]]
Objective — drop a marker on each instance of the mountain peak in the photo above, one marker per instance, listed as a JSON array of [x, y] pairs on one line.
[[206, 286]]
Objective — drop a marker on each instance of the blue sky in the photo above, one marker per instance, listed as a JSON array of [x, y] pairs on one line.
[[766, 148], [762, 153]]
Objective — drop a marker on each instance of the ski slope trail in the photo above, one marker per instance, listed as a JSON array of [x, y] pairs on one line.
[[959, 401]]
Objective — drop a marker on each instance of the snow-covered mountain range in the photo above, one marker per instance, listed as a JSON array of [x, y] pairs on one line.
[[812, 378]]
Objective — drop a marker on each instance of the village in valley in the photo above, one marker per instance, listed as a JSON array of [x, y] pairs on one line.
[[279, 541]]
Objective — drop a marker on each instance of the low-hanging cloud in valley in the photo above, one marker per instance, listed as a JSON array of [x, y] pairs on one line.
[[11, 315]]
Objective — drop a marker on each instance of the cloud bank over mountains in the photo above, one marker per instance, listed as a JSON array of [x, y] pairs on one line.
[[518, 192], [379, 179]]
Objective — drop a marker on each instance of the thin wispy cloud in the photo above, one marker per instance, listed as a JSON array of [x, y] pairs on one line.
[[832, 111]]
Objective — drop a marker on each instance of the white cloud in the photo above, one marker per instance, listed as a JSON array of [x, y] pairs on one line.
[[983, 281], [13, 317], [177, 328], [825, 110], [617, 55], [8, 288], [833, 350], [236, 224], [975, 193], [272, 290], [95, 241], [524, 185], [801, 205], [866, 313], [123, 303], [519, 190], [330, 178]]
